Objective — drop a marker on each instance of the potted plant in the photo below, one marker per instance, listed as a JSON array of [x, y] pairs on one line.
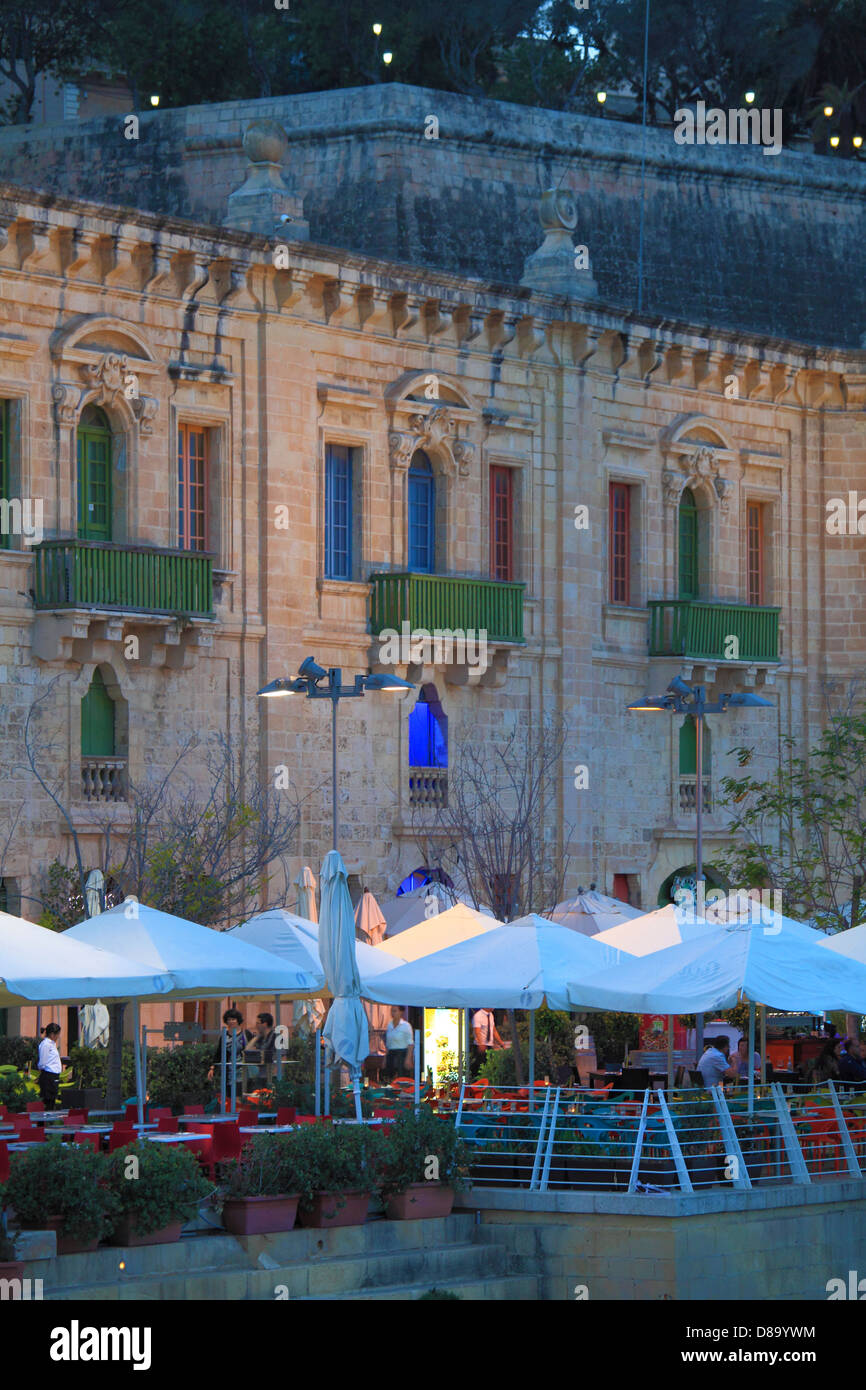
[[10, 1268], [345, 1164], [265, 1185], [156, 1195], [57, 1188], [425, 1162]]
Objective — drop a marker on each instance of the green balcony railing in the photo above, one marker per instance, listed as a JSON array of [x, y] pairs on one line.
[[436, 602], [695, 628], [133, 578]]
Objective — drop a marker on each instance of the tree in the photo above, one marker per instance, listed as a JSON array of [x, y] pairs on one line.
[[801, 828], [497, 836], [41, 36], [196, 847]]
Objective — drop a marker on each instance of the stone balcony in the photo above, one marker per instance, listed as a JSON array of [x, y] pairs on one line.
[[714, 636]]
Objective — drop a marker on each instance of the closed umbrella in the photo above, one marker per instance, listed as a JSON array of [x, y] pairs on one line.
[[370, 926], [345, 1032], [306, 903]]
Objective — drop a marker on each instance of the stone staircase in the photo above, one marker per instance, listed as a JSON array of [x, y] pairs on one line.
[[379, 1260]]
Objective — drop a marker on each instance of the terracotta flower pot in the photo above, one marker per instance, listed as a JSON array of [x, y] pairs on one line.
[[126, 1234], [257, 1216], [420, 1201], [336, 1209], [65, 1244]]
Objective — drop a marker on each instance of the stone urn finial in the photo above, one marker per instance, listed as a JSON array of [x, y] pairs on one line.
[[264, 203], [555, 267]]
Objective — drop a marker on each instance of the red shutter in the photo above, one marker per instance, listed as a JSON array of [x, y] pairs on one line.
[[755, 548], [501, 524], [620, 887], [619, 547]]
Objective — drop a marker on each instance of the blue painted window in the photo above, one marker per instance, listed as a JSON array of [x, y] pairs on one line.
[[428, 731], [422, 515], [338, 512]]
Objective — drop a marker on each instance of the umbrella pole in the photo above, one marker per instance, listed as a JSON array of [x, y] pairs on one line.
[[751, 1071], [531, 1057], [670, 1053], [279, 1050], [763, 1042], [223, 1072], [467, 1046], [417, 1072], [356, 1087], [317, 1047], [139, 1071], [327, 1110]]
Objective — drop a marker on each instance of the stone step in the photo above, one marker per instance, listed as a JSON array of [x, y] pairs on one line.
[[340, 1275], [199, 1253], [511, 1287]]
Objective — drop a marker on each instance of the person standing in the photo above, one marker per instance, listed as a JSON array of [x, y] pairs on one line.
[[237, 1040], [261, 1053], [50, 1066], [398, 1044], [485, 1034]]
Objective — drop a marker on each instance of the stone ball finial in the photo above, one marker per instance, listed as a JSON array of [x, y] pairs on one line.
[[558, 208], [265, 142]]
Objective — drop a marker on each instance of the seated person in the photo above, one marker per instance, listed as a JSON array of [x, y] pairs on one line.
[[714, 1066], [852, 1066], [741, 1059]]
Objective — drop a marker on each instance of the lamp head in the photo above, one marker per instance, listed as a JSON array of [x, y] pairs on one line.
[[679, 687], [282, 687], [650, 705], [310, 670], [751, 700], [383, 681]]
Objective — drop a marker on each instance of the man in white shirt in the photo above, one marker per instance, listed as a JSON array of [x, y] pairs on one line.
[[714, 1067], [50, 1066], [484, 1033], [398, 1044]]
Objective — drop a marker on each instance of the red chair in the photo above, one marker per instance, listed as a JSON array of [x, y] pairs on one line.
[[227, 1145], [3, 1112], [286, 1115], [121, 1134], [4, 1161], [31, 1134], [193, 1110], [163, 1113], [248, 1117], [77, 1117], [20, 1119], [132, 1112], [168, 1124], [384, 1114], [36, 1106], [89, 1140], [306, 1119]]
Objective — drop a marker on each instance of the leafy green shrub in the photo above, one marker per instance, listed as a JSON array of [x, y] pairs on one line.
[[439, 1294], [169, 1185], [17, 1052], [340, 1158], [413, 1141], [14, 1091], [272, 1165], [90, 1068], [175, 1073], [53, 1180]]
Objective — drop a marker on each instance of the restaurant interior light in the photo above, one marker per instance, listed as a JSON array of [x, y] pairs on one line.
[[857, 141], [828, 111], [386, 57], [601, 98], [154, 100], [377, 29], [750, 97], [834, 140]]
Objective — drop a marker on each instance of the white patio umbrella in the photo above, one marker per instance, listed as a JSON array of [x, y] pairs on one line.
[[408, 909], [297, 942], [201, 962], [517, 966], [345, 1032], [458, 923], [306, 901], [654, 931], [592, 912]]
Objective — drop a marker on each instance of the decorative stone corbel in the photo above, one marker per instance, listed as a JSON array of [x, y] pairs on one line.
[[145, 409], [66, 398]]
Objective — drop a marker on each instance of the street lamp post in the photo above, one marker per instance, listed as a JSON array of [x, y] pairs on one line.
[[680, 698], [308, 682]]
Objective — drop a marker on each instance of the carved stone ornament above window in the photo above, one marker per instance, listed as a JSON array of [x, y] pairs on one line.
[[107, 376], [435, 433], [700, 466]]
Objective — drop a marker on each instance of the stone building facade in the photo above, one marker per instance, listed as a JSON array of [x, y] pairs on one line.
[[665, 481]]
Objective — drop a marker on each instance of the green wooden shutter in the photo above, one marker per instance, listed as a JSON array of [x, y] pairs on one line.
[[97, 721], [94, 483], [689, 748], [688, 567]]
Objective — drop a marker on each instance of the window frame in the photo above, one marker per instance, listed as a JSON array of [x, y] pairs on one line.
[[502, 573], [5, 464], [427, 478], [692, 510], [758, 573], [84, 433], [185, 511], [615, 558], [330, 568]]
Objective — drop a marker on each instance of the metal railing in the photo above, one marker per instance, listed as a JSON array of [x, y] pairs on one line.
[[550, 1138], [695, 627], [452, 603], [134, 578]]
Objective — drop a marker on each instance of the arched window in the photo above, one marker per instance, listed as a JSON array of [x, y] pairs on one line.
[[689, 558], [420, 877], [94, 475], [428, 731], [97, 721], [422, 515]]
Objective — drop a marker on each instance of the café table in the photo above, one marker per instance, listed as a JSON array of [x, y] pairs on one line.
[[173, 1138], [267, 1129]]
